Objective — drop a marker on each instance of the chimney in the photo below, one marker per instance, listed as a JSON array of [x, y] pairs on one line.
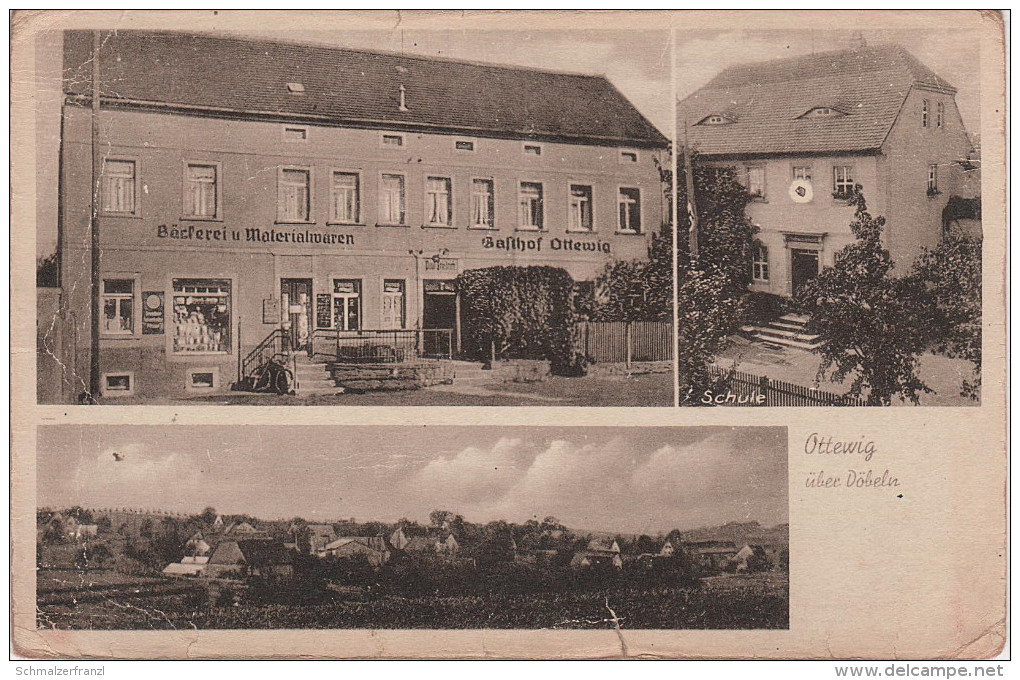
[[403, 101]]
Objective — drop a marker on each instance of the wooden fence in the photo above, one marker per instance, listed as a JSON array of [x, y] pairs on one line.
[[626, 341], [777, 392]]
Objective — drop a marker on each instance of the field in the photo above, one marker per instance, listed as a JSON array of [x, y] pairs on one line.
[[738, 602]]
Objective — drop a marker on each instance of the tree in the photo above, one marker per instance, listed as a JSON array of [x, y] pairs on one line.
[[208, 516], [951, 272], [47, 272], [709, 311], [637, 290], [875, 324]]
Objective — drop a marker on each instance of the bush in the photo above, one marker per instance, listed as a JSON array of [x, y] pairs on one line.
[[521, 313], [763, 308]]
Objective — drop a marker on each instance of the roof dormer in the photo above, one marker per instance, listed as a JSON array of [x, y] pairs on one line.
[[715, 119], [822, 112]]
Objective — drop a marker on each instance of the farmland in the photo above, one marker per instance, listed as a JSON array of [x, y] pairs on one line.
[[739, 602]]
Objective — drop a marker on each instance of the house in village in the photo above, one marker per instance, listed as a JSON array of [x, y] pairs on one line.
[[196, 545], [313, 538], [217, 524], [598, 553], [250, 557], [307, 191], [801, 132], [190, 566], [711, 555], [430, 543], [373, 548]]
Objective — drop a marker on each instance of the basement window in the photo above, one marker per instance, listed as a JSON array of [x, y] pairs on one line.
[[202, 379], [118, 384]]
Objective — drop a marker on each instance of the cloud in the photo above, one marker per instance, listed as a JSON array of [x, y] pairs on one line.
[[102, 480]]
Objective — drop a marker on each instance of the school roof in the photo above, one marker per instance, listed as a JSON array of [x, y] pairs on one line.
[[229, 76], [763, 104]]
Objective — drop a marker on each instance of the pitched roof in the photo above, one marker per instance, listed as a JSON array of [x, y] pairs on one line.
[[354, 87], [764, 102]]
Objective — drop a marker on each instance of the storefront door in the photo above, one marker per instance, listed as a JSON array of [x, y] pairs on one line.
[[347, 304], [439, 312], [296, 300], [803, 266]]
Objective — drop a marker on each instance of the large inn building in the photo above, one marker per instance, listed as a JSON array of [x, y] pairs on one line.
[[803, 131], [250, 186]]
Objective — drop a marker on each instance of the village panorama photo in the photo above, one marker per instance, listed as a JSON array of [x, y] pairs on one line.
[[388, 218], [829, 217], [445, 527]]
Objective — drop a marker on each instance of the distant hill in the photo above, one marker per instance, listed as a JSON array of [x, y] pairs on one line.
[[742, 532]]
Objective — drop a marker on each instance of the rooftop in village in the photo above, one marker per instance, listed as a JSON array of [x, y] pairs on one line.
[[213, 75], [845, 101]]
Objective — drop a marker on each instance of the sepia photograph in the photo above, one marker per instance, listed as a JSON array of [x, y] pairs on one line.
[[832, 240], [355, 217], [447, 527]]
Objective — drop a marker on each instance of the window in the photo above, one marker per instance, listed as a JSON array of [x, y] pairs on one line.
[[714, 119], [346, 203], [530, 206], [394, 313], [933, 179], [346, 304], [580, 208], [296, 88], [842, 180], [201, 311], [821, 112], [802, 172], [924, 113], [628, 156], [202, 379], [393, 140], [119, 187], [482, 204], [201, 191], [294, 197], [295, 134], [438, 202], [391, 199], [940, 114], [760, 263], [118, 307], [756, 181], [532, 150], [118, 384], [464, 145], [629, 200]]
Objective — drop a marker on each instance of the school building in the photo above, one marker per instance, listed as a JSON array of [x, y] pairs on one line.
[[251, 188]]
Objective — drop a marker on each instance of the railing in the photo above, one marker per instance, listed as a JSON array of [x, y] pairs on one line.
[[777, 392], [626, 341], [382, 347], [274, 344]]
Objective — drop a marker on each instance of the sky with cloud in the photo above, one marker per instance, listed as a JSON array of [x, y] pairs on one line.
[[626, 479], [953, 54]]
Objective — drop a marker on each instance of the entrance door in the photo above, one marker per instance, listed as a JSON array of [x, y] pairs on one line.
[[439, 311], [296, 301], [803, 266]]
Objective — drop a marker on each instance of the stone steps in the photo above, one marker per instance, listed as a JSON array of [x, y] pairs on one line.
[[787, 331]]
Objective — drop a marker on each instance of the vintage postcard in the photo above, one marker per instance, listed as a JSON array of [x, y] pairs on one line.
[[498, 257]]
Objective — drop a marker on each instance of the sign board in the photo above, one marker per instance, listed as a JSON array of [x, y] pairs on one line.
[[439, 286], [323, 312], [270, 310], [440, 264], [153, 318]]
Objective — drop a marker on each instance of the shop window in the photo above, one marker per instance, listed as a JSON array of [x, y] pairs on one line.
[[531, 209], [580, 208], [118, 384], [842, 180], [438, 202], [483, 212], [118, 307], [802, 172], [202, 379], [201, 310], [629, 201], [346, 198], [394, 305], [201, 191], [119, 187], [756, 181], [295, 195], [760, 263], [347, 304]]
